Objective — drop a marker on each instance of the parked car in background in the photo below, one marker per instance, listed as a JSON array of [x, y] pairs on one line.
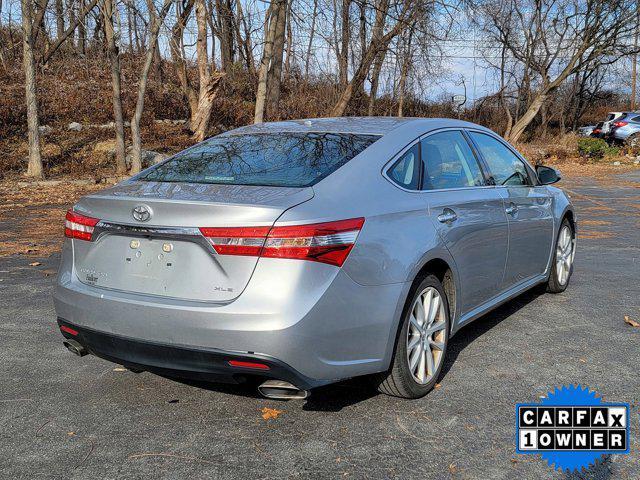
[[586, 130], [306, 252], [626, 129], [607, 125]]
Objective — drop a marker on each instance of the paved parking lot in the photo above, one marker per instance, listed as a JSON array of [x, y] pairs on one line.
[[65, 417]]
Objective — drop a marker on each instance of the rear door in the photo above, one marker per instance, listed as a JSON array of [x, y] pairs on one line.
[[528, 207], [468, 215]]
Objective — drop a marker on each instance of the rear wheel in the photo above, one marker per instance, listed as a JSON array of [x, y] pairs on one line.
[[422, 343], [633, 141], [562, 266]]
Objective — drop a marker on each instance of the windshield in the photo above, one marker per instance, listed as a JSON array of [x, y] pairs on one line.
[[283, 160]]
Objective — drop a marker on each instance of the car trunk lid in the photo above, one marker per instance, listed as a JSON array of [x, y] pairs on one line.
[[166, 255]]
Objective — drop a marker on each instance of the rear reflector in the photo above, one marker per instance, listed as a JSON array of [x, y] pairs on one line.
[[240, 363], [328, 242], [69, 330], [78, 226]]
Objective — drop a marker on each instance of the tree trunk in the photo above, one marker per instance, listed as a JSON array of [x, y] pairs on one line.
[[523, 122], [274, 79], [244, 43], [205, 104], [156, 20], [71, 9], [82, 29], [114, 59], [225, 33], [208, 84], [59, 19], [404, 73], [176, 46], [375, 79], [311, 35], [287, 63], [343, 54], [34, 168], [267, 55]]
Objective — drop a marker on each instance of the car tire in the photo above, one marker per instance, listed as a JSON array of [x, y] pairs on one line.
[[400, 380], [558, 279], [632, 141]]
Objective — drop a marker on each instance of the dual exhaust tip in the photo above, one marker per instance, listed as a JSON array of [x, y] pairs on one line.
[[274, 389]]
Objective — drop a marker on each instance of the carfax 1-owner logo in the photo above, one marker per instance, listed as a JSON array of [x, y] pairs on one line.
[[572, 428]]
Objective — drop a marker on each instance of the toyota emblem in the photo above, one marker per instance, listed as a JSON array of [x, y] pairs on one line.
[[141, 213]]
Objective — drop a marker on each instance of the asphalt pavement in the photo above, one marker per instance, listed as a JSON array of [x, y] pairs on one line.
[[68, 417]]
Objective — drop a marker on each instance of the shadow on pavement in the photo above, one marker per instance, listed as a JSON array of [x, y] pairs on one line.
[[482, 325]]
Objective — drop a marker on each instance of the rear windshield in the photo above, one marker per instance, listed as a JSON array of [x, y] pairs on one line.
[[273, 159]]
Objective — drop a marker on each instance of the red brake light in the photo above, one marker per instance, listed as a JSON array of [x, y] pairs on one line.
[[620, 124], [328, 242], [78, 226]]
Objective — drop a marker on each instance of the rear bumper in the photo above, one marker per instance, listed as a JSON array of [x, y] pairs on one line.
[[309, 316], [181, 361]]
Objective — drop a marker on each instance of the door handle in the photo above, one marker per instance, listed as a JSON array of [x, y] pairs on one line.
[[447, 216], [512, 209]]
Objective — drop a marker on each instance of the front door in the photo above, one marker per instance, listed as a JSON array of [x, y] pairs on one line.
[[528, 208]]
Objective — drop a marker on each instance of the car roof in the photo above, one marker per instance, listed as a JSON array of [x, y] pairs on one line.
[[360, 125]]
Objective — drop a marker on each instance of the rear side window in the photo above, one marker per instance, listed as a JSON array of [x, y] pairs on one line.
[[636, 119], [297, 159], [406, 171], [449, 162], [505, 167]]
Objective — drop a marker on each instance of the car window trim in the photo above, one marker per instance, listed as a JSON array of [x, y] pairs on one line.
[[533, 179]]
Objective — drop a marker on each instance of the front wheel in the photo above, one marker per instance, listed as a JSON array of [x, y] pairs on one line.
[[562, 266], [422, 343]]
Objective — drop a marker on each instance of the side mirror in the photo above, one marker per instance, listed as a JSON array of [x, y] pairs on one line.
[[547, 175]]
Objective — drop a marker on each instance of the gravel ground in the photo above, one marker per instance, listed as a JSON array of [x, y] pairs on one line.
[[61, 416]]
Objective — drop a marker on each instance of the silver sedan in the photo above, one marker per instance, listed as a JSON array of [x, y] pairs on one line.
[[301, 253]]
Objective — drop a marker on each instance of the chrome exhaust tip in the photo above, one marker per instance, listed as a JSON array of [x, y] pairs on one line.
[[281, 390], [75, 347]]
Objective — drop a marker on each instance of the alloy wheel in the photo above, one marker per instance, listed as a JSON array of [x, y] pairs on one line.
[[564, 254], [426, 335]]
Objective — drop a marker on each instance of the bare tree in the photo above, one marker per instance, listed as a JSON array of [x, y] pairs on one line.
[[554, 39], [34, 168], [156, 19], [114, 60], [379, 42], [201, 101]]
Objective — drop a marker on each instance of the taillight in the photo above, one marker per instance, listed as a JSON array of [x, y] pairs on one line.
[[620, 124], [236, 240], [78, 226], [328, 242]]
